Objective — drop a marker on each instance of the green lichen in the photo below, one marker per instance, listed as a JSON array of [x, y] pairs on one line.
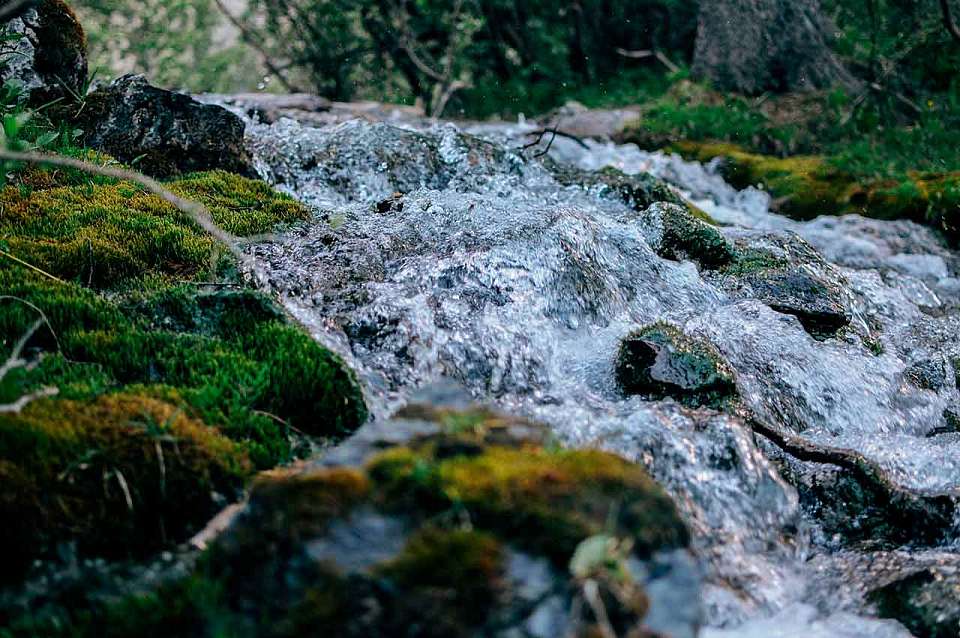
[[660, 361]]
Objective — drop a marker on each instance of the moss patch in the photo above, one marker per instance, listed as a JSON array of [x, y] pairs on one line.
[[129, 321], [106, 235], [804, 187], [122, 475]]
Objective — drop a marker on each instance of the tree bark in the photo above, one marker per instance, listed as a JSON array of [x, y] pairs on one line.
[[753, 46]]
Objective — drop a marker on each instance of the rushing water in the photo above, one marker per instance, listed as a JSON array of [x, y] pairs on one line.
[[487, 271]]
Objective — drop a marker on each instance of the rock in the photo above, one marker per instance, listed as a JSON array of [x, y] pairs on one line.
[[636, 191], [674, 233], [927, 602], [575, 119], [166, 133], [661, 361], [449, 521], [787, 274], [49, 60]]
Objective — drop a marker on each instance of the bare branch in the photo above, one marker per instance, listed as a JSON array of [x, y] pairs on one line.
[[248, 36], [17, 406], [644, 53]]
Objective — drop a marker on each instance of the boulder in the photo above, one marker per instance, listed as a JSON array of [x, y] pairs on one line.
[[161, 132], [675, 233], [452, 520], [47, 53], [790, 276], [661, 361]]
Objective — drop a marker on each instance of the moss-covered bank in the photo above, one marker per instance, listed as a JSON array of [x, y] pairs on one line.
[[804, 187], [171, 391]]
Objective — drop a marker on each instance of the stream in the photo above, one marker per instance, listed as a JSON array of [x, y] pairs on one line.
[[447, 252]]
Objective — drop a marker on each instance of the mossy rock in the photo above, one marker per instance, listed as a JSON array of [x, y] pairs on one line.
[[637, 191], [660, 361], [676, 234], [789, 276], [121, 475], [446, 522], [162, 384]]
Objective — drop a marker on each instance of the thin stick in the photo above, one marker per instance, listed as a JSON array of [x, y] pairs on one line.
[[30, 266], [253, 41]]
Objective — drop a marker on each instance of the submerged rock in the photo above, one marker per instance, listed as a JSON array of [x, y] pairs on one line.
[[927, 601], [450, 522], [660, 361], [166, 133], [49, 59]]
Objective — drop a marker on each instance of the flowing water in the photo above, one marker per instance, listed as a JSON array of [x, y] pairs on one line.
[[487, 271]]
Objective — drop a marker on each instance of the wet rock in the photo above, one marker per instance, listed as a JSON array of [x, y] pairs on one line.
[[928, 374], [49, 59], [661, 361], [927, 602], [449, 521], [855, 502], [269, 107], [636, 191], [163, 133], [576, 119], [674, 233], [787, 274]]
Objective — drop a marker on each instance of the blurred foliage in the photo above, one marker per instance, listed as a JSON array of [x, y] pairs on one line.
[[176, 43]]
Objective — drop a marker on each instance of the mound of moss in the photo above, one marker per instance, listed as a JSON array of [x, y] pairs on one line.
[[121, 475], [170, 391], [804, 187], [444, 522]]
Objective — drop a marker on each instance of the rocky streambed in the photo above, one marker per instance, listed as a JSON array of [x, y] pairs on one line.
[[792, 385]]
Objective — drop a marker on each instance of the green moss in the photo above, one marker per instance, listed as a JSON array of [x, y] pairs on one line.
[[686, 236], [122, 474], [230, 358], [105, 235], [749, 261], [659, 360], [542, 499], [806, 186]]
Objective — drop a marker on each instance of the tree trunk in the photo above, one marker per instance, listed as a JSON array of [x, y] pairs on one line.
[[752, 46]]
